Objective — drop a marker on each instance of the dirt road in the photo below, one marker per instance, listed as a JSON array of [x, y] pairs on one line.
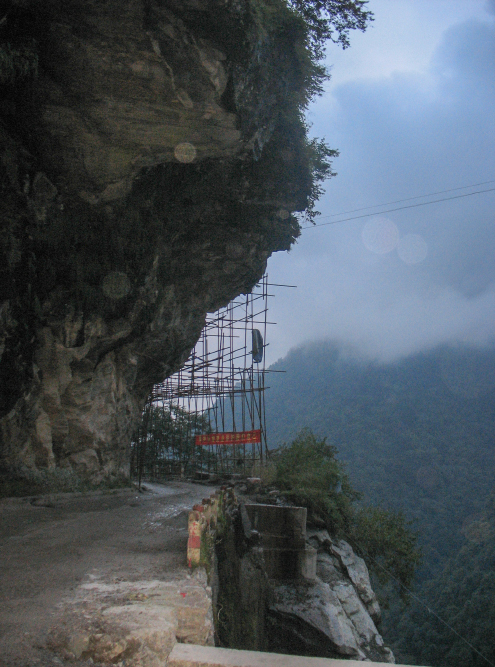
[[65, 558]]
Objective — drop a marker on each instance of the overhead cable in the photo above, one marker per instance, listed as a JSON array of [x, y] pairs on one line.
[[400, 208], [400, 201]]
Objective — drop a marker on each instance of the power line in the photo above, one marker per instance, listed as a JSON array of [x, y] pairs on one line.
[[399, 201], [418, 599], [400, 208]]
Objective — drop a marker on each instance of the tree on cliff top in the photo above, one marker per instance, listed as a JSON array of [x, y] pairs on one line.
[[332, 20]]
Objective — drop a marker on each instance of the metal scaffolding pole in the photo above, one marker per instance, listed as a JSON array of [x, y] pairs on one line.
[[219, 390]]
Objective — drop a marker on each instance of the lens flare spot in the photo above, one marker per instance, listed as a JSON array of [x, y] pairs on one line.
[[380, 235], [185, 152], [412, 249], [116, 285]]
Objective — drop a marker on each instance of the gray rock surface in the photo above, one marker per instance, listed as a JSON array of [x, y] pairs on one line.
[[358, 574], [336, 614], [136, 198]]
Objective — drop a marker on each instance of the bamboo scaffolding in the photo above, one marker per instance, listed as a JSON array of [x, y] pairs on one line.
[[220, 388]]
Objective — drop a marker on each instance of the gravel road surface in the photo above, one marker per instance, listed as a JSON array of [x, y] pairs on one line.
[[53, 545]]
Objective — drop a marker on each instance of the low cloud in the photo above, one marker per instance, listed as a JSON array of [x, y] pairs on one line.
[[399, 137]]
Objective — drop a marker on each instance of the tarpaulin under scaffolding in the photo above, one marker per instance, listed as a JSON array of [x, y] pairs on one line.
[[210, 416]]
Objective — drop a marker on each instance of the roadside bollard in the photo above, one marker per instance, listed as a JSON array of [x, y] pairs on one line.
[[194, 540], [202, 518]]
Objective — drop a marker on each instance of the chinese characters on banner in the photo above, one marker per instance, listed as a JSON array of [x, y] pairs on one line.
[[229, 438]]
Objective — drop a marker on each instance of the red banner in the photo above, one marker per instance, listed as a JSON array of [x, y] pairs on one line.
[[229, 438]]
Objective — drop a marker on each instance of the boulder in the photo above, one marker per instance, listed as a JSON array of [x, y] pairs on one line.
[[335, 615], [318, 607]]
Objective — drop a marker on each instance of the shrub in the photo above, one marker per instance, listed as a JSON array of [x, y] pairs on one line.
[[386, 541], [309, 474]]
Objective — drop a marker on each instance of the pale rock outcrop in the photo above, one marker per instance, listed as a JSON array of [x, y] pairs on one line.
[[334, 615], [340, 556]]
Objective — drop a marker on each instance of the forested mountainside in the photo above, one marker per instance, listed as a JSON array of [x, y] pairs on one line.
[[464, 595], [416, 435]]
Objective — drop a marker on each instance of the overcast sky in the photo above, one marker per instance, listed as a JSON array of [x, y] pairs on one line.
[[411, 107]]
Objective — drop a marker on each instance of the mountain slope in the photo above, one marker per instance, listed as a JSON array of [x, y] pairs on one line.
[[416, 434], [463, 595]]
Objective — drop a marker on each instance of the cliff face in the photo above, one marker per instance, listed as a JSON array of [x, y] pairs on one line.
[[283, 587], [335, 615], [149, 167]]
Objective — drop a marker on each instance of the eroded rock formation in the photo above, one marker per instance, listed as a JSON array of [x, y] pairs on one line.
[[283, 587], [334, 615], [151, 158]]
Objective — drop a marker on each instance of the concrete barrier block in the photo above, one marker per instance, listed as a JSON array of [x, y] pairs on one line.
[[189, 655], [308, 563], [279, 522], [283, 564]]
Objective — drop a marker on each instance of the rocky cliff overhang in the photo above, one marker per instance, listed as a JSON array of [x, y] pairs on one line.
[[152, 158]]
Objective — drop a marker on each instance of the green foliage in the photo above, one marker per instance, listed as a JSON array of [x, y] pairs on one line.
[[332, 20], [207, 551], [310, 475], [26, 482], [318, 155], [462, 595], [164, 442], [386, 541]]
